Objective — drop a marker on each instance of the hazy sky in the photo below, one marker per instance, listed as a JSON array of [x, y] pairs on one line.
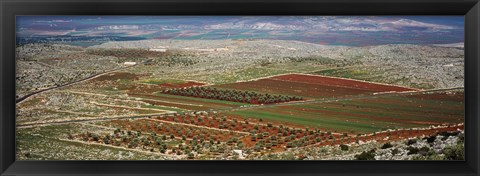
[[334, 30]]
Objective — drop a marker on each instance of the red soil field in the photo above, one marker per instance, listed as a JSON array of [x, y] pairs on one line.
[[150, 125], [312, 86], [340, 82], [294, 88], [242, 127]]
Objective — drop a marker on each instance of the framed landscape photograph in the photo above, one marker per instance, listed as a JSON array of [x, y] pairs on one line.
[[236, 88]]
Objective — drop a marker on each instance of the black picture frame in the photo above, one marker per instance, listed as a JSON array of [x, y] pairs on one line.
[[10, 8]]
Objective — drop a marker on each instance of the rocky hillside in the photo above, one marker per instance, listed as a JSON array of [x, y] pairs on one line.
[[422, 66]]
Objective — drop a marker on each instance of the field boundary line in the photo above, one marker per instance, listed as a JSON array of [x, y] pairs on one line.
[[73, 112], [117, 98], [83, 93], [98, 126], [127, 107], [187, 104], [104, 118]]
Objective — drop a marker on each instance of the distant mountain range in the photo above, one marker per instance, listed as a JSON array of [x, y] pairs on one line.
[[329, 30]]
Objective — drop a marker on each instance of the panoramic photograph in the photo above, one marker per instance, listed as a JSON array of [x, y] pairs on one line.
[[240, 88]]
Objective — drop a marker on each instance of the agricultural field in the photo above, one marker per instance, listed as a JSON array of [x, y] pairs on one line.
[[201, 97], [313, 86], [367, 115], [232, 95], [147, 117]]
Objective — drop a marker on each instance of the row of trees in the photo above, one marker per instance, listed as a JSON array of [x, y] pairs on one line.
[[232, 95], [166, 144]]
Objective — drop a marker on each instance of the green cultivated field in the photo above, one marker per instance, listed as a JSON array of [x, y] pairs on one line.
[[367, 115]]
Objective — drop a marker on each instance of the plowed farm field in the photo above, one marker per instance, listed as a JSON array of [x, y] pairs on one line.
[[313, 86]]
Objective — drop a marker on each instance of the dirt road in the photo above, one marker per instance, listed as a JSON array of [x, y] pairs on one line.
[[21, 99]]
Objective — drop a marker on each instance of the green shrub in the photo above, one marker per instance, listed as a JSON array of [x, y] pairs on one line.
[[257, 148], [343, 147], [190, 156], [95, 137], [259, 136], [456, 152], [386, 145], [431, 139], [423, 151], [411, 141], [289, 145], [395, 151], [370, 155], [412, 150]]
